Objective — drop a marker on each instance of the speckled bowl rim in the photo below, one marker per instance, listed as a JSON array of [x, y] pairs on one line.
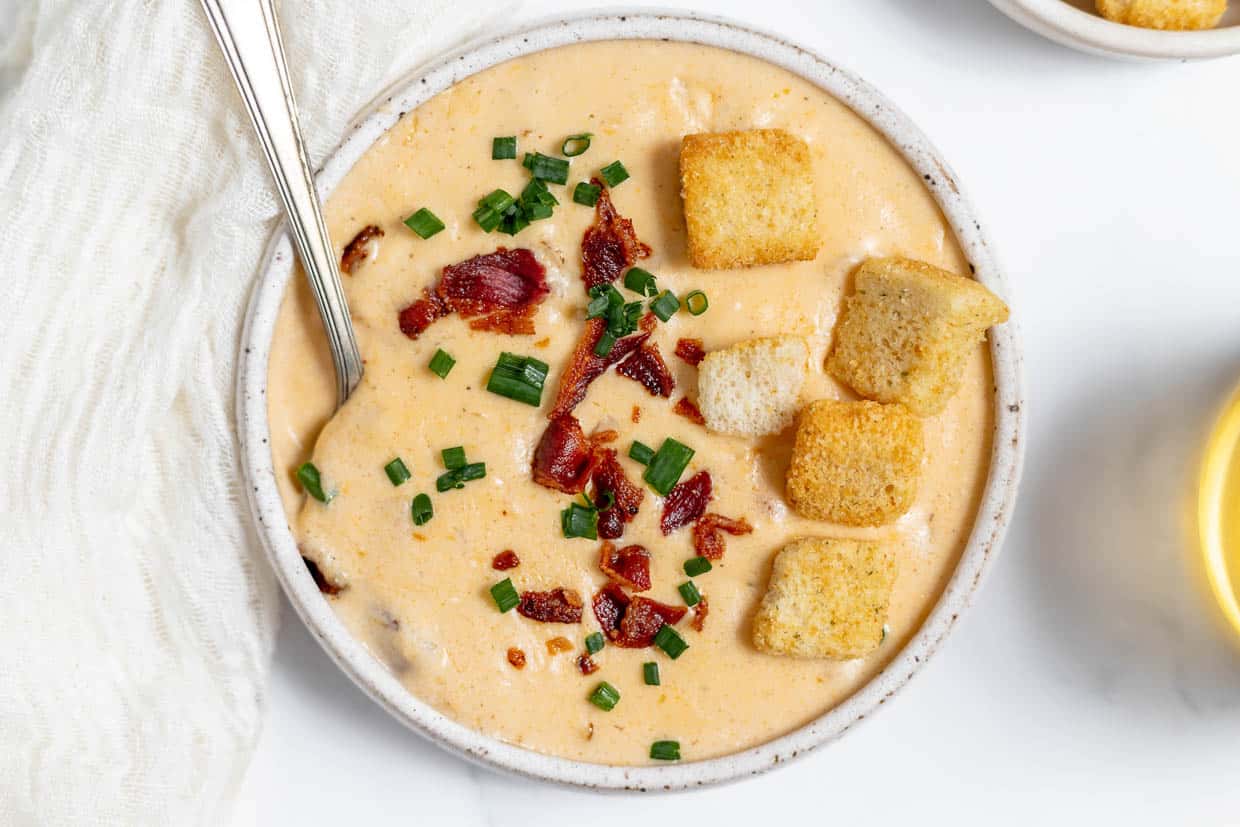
[[369, 673], [1078, 29]]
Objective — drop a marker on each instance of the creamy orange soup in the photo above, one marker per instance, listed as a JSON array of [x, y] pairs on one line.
[[418, 596]]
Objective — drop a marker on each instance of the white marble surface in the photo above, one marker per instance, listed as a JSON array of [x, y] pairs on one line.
[[1090, 683]]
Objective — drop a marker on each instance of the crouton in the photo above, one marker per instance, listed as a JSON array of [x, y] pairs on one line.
[[855, 463], [1164, 14], [753, 388], [827, 598], [748, 198], [906, 332]]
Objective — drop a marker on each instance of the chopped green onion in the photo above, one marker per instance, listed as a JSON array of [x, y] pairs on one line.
[[586, 193], [601, 298], [670, 641], [574, 145], [537, 212], [640, 281], [442, 363], [605, 696], [505, 595], [665, 306], [595, 642], [579, 521], [487, 218], [696, 566], [311, 482], [614, 173], [453, 458], [396, 471], [696, 303], [650, 673], [518, 377], [536, 192], [424, 222], [421, 509], [689, 591], [514, 221], [668, 463], [498, 200], [665, 750], [641, 452], [546, 168], [503, 148], [457, 477], [604, 344]]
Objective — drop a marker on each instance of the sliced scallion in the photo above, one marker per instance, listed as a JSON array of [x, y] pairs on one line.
[[604, 344], [665, 750], [650, 673], [574, 145], [689, 591], [665, 305], [605, 696], [696, 303], [586, 193], [595, 642], [670, 641], [498, 200], [397, 471], [640, 281], [696, 566], [442, 363], [453, 458], [312, 482], [668, 463], [546, 168], [505, 595], [504, 148], [421, 509], [487, 218], [424, 222], [518, 377], [614, 173], [457, 477], [579, 521], [641, 452]]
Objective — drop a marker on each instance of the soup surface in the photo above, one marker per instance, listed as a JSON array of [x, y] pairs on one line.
[[418, 595]]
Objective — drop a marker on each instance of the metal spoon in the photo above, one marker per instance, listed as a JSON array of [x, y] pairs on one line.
[[249, 36]]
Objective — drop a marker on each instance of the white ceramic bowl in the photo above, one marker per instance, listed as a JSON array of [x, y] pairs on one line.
[[1075, 24], [369, 673]]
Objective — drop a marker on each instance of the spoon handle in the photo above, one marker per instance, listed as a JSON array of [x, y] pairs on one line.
[[249, 36]]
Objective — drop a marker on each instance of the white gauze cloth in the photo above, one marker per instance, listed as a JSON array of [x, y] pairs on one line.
[[136, 612]]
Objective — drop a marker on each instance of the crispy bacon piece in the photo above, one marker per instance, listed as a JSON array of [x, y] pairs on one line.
[[689, 411], [559, 605], [642, 620], [646, 367], [586, 664], [609, 605], [516, 657], [505, 560], [690, 350], [609, 246], [559, 644], [686, 502], [356, 250], [636, 415], [499, 291], [700, 610], [326, 586], [609, 478], [564, 458], [584, 367], [629, 566], [708, 531], [632, 623]]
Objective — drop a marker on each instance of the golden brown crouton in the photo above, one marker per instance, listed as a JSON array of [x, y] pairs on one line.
[[855, 463], [906, 332], [1164, 14], [826, 599], [754, 387], [749, 198]]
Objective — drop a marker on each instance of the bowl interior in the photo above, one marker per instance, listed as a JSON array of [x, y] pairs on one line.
[[369, 673]]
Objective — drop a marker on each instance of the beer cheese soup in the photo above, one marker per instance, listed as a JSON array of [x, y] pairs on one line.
[[453, 541]]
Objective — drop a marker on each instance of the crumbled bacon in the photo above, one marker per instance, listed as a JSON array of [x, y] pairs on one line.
[[609, 605], [609, 245], [516, 657], [686, 502], [564, 458], [609, 478], [586, 664], [689, 411], [584, 367], [326, 586], [691, 351], [700, 610], [632, 623], [646, 367], [642, 620], [629, 566], [559, 644], [636, 415], [505, 560], [499, 291], [559, 605], [355, 251], [708, 531]]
